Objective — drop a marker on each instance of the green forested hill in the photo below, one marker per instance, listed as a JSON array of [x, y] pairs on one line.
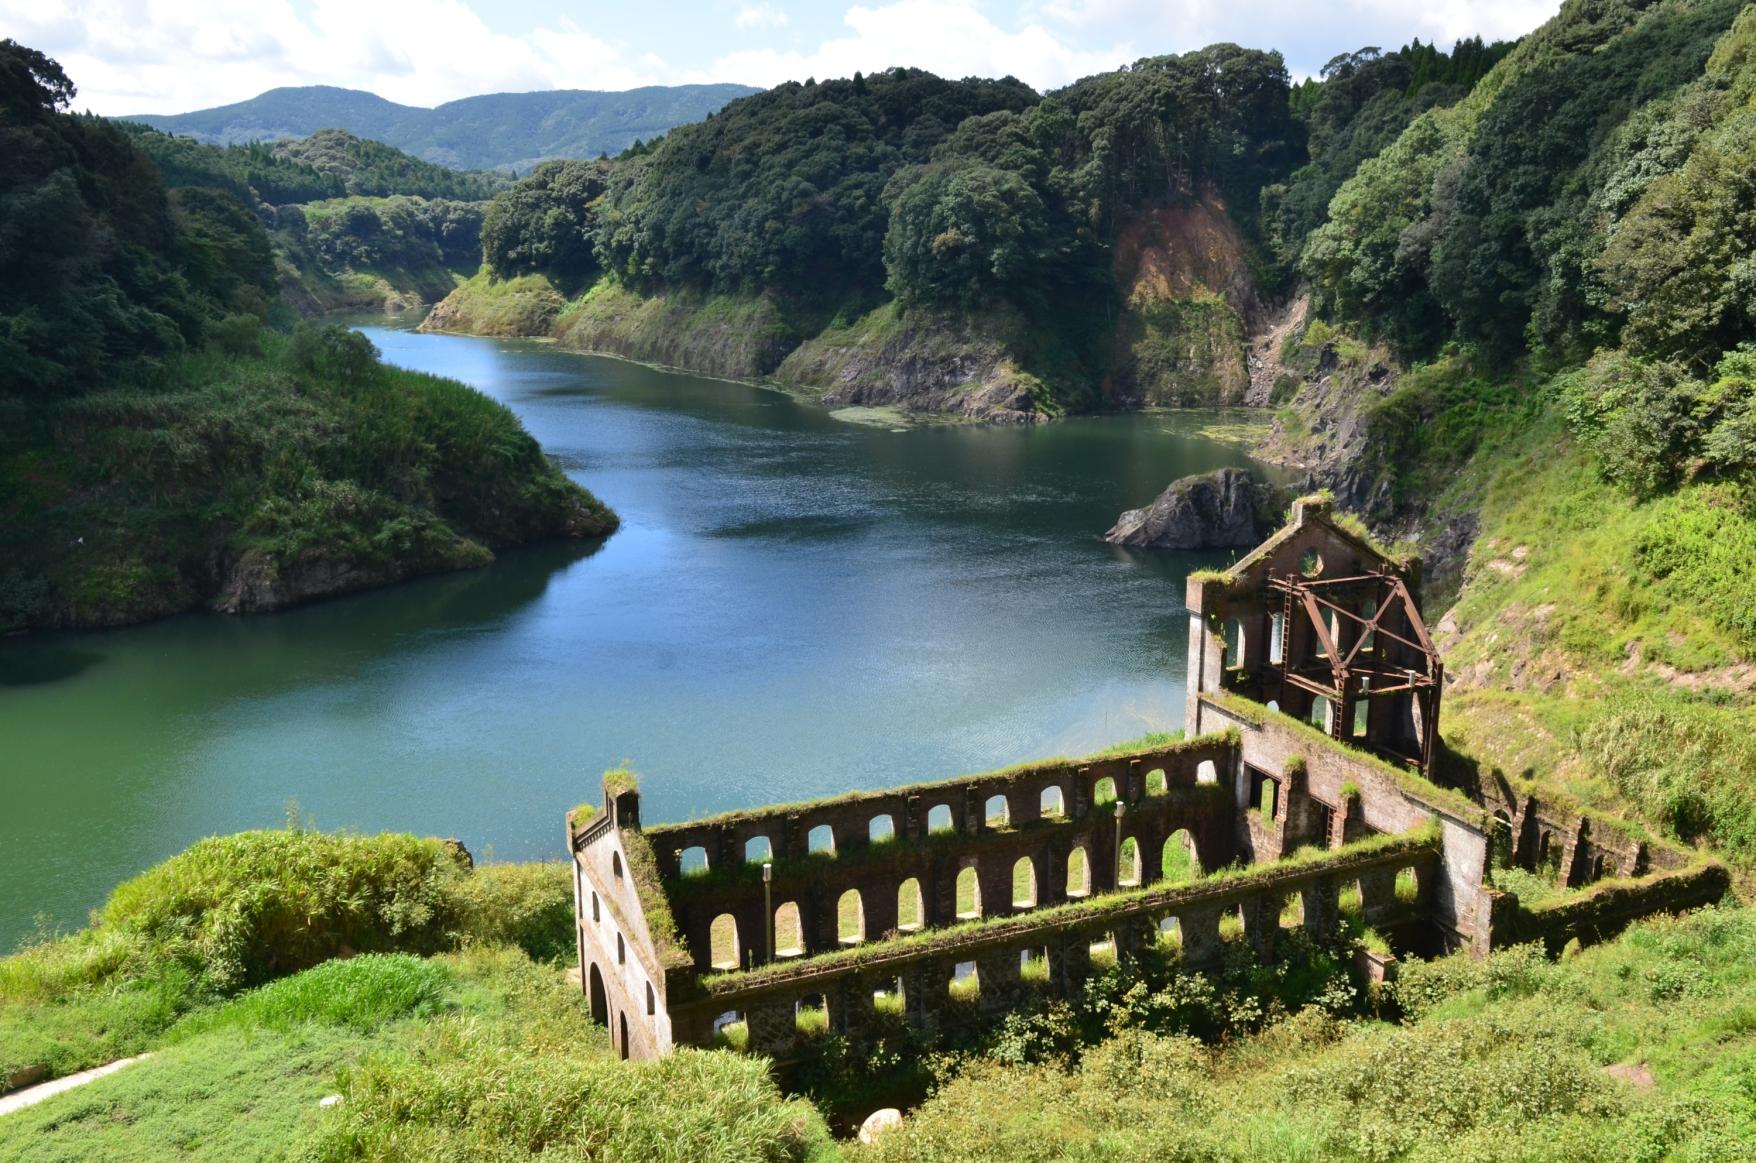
[[161, 448], [1094, 246], [1552, 280], [352, 223], [491, 131]]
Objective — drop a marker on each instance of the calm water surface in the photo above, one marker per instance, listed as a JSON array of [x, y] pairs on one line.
[[794, 606]]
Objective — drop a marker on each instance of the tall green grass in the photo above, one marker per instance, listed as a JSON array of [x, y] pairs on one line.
[[1508, 1059]]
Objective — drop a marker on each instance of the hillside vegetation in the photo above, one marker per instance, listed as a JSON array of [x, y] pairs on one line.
[[161, 448], [352, 224], [449, 1031], [1536, 327], [973, 246], [447, 1027]]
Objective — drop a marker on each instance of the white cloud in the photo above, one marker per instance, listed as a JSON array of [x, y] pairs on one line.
[[138, 56], [142, 56], [1304, 32], [760, 16], [946, 37]]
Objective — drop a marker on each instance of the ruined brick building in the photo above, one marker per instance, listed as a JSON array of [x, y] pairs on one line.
[[1307, 778]]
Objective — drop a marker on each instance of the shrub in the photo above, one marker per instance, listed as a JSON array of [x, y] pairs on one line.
[[255, 905], [528, 905]]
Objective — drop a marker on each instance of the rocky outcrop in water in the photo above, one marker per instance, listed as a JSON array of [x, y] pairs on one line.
[[1215, 510]]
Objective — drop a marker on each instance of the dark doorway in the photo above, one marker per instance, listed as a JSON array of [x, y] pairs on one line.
[[600, 1004]]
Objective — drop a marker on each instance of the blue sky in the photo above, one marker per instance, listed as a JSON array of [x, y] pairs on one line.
[[131, 56]]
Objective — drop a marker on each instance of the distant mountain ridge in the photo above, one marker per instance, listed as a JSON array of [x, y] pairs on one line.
[[486, 132]]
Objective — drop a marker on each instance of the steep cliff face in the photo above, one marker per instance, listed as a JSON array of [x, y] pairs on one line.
[[1180, 339], [525, 306], [1189, 302], [921, 361], [736, 336]]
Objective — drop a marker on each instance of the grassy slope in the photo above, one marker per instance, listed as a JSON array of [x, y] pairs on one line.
[[1508, 1060], [478, 1052], [1600, 647], [257, 478]]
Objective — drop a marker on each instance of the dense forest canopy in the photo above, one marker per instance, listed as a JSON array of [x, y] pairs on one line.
[[102, 267], [161, 446], [969, 193]]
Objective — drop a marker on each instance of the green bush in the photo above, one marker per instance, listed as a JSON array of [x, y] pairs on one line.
[[255, 905], [527, 905]]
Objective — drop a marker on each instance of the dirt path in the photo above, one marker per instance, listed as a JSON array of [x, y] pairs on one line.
[[31, 1095]]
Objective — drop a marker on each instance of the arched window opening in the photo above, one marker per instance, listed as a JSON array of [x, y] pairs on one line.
[[821, 839], [1024, 884], [969, 894], [1158, 784], [1235, 644], [1264, 793], [1323, 714], [1103, 793], [622, 1042], [757, 849], [850, 918], [1128, 872], [789, 932], [1206, 772], [1102, 951], [731, 1031], [616, 864], [1501, 849], [1180, 862], [1078, 873], [621, 951], [724, 949], [599, 999], [909, 913], [692, 861], [811, 1015], [888, 998], [1033, 966], [596, 914], [939, 819], [965, 985], [881, 829], [1054, 803], [1277, 628], [651, 1000], [997, 813]]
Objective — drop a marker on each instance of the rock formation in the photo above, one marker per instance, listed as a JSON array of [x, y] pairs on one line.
[[1215, 510]]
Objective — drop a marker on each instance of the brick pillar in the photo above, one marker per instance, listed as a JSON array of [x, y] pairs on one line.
[[1200, 932], [1262, 924], [1322, 908]]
